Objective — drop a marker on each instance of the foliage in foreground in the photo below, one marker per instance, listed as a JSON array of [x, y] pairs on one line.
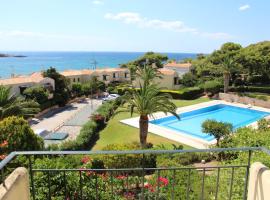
[[10, 105], [16, 135]]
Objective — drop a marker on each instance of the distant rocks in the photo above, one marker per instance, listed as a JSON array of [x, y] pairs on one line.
[[3, 55]]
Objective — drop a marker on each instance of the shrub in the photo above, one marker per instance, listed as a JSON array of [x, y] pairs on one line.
[[16, 135], [191, 93], [259, 89], [127, 160], [85, 140], [263, 124], [86, 89], [37, 93], [186, 93], [189, 80], [106, 110], [212, 87], [175, 94], [76, 89], [99, 119]]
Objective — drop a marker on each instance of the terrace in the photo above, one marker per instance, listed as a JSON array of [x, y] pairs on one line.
[[137, 179]]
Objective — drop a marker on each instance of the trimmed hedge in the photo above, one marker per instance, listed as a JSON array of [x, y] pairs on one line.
[[212, 87], [186, 93], [85, 140], [261, 89]]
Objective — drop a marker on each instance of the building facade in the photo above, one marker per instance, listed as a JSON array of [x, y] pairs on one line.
[[180, 68], [107, 75], [20, 83], [169, 80]]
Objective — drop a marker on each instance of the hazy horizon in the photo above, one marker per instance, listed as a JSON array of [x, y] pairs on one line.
[[131, 26]]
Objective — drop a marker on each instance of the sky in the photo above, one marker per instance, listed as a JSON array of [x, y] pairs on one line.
[[190, 26]]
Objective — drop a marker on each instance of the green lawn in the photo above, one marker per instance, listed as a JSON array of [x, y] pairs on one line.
[[116, 132]]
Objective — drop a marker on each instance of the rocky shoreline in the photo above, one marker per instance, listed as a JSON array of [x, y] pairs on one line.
[[2, 55]]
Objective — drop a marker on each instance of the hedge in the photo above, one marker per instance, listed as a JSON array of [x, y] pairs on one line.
[[212, 87], [186, 93], [85, 140], [261, 89]]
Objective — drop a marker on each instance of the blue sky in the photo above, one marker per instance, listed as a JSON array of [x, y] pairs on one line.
[[131, 25]]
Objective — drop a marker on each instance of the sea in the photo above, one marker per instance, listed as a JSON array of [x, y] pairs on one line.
[[40, 61]]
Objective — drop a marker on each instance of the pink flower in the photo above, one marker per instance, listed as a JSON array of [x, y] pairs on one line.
[[129, 195], [86, 159], [4, 144], [121, 177], [89, 173], [163, 181]]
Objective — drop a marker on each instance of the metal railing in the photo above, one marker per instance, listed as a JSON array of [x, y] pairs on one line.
[[141, 181]]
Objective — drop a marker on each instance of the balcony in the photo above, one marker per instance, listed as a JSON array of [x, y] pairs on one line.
[[132, 175]]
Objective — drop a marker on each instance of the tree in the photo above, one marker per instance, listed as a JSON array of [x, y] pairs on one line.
[[228, 65], [11, 105], [147, 100], [37, 93], [93, 86], [149, 58], [16, 135], [217, 129], [189, 80], [61, 93], [76, 89]]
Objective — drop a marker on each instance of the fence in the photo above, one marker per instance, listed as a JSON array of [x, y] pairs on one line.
[[137, 179]]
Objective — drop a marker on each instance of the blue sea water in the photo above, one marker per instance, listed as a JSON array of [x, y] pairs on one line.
[[190, 123], [37, 61]]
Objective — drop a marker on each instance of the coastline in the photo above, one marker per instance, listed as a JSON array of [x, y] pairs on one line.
[[39, 61]]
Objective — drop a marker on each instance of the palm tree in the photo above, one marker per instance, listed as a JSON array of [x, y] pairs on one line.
[[11, 105], [147, 100], [227, 67]]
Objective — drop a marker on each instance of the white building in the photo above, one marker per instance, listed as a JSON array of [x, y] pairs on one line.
[[107, 75], [20, 83], [180, 68], [169, 79]]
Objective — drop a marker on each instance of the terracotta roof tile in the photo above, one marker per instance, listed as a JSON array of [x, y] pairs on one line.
[[166, 71], [180, 65]]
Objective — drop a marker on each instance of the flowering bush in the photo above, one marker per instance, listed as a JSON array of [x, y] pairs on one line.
[[16, 135]]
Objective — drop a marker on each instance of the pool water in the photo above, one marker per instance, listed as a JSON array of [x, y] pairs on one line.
[[190, 122]]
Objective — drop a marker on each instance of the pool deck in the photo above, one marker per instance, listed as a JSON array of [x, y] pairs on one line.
[[183, 137]]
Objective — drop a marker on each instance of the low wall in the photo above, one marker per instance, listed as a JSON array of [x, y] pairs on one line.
[[243, 100], [259, 182], [45, 111], [16, 186]]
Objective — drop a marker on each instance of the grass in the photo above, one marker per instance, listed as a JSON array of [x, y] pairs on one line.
[[116, 132]]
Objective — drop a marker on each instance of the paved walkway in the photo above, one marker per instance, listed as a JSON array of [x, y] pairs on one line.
[[69, 119]]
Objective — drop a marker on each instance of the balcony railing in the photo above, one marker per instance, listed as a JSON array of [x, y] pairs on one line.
[[118, 180]]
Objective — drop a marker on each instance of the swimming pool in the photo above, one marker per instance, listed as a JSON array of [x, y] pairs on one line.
[[190, 122]]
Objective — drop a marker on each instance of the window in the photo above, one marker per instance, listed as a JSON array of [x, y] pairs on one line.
[[74, 80], [114, 76], [175, 80], [104, 77], [126, 75], [78, 79]]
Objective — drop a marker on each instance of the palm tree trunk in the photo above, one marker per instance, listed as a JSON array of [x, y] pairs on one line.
[[226, 81], [143, 130]]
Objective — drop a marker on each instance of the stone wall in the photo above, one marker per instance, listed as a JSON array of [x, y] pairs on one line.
[[16, 186], [244, 100]]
